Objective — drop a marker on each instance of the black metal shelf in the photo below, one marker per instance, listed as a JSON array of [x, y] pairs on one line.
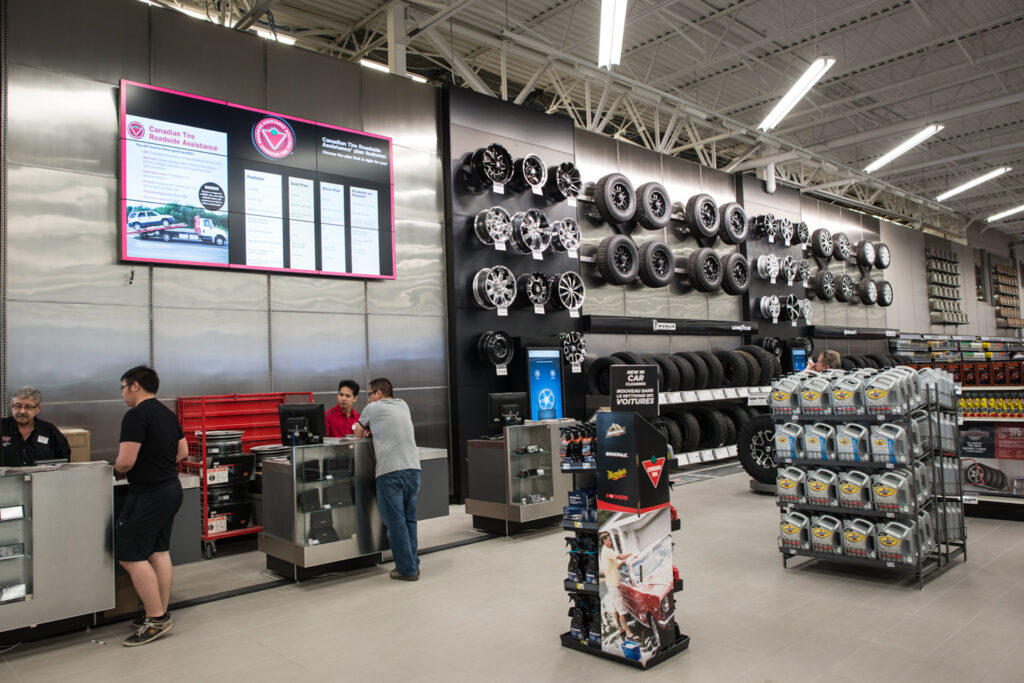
[[858, 512], [570, 525], [824, 331], [873, 418], [681, 643], [584, 588], [578, 467], [669, 326]]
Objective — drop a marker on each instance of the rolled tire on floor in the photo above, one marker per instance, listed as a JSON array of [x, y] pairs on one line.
[[656, 264], [704, 269], [700, 368], [687, 378], [653, 207], [734, 368], [765, 359], [618, 260], [615, 200], [599, 375], [688, 426], [755, 447], [753, 368], [702, 216], [733, 227], [716, 374], [669, 370], [670, 430], [821, 243], [735, 274], [713, 429]]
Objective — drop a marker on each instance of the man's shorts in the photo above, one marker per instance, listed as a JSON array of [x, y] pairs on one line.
[[144, 525]]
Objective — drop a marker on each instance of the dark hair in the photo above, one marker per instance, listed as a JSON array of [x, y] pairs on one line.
[[145, 376], [351, 384], [383, 385]]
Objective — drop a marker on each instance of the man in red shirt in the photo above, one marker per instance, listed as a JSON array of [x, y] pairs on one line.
[[341, 417]]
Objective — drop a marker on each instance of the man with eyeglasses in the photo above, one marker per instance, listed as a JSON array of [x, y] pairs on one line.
[[28, 440]]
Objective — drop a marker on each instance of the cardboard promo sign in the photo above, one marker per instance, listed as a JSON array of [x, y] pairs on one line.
[[634, 389]]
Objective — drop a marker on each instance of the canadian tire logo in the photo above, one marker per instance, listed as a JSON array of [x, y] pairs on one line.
[[273, 138], [136, 129], [654, 468]]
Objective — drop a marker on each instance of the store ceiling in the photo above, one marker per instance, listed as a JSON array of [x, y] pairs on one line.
[[698, 76]]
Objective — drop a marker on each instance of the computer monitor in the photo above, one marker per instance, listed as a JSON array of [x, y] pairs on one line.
[[506, 409], [302, 424], [798, 359], [544, 382]]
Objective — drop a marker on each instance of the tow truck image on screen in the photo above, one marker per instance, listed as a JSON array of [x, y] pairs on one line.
[[149, 225]]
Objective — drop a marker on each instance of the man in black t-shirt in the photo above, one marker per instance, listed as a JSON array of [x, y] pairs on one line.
[[28, 440], [152, 444]]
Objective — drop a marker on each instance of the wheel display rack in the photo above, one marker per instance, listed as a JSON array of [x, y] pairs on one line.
[[254, 414], [944, 288], [948, 540], [1005, 287]]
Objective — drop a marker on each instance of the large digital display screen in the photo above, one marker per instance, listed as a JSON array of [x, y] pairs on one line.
[[210, 183], [544, 367]]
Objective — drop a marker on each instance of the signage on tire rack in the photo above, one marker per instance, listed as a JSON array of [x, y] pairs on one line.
[[634, 389]]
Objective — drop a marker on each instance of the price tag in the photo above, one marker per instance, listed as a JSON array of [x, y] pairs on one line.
[[717, 394], [538, 256], [329, 476], [572, 253], [12, 512], [787, 244], [217, 475], [707, 456], [970, 500], [730, 393], [662, 397], [216, 525], [721, 453], [576, 368], [890, 515], [789, 282], [772, 280], [890, 564], [675, 397], [571, 202], [501, 370], [775, 321], [498, 187], [732, 451], [771, 239], [574, 312], [500, 245], [793, 323], [538, 309], [577, 525], [689, 396], [314, 541], [693, 458], [537, 190], [502, 311]]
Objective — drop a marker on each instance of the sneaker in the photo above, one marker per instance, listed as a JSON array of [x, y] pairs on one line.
[[395, 574], [150, 630], [139, 620]]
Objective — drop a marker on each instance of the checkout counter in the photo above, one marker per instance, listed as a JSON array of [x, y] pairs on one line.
[[320, 506]]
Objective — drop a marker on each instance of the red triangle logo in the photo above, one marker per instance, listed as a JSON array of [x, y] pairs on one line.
[[654, 469]]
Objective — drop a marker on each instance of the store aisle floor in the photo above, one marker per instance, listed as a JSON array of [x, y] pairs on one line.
[[493, 611]]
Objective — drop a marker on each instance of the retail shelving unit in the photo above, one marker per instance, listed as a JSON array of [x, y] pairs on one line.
[[1007, 296], [934, 500], [993, 464], [944, 288]]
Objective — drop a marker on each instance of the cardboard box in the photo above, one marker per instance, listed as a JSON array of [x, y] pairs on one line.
[[79, 440]]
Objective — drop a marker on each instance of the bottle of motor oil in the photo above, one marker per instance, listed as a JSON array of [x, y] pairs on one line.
[[814, 396], [785, 395], [893, 491], [954, 520], [822, 486], [795, 528], [883, 394], [922, 481], [927, 425], [820, 442], [852, 442], [891, 443], [848, 395], [897, 542], [855, 490], [947, 475], [859, 538], [788, 441], [791, 485], [826, 535], [926, 530]]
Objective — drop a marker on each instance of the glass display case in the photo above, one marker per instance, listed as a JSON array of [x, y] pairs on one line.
[[15, 537], [531, 478]]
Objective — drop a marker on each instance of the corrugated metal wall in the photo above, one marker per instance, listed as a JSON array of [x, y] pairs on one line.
[[76, 318]]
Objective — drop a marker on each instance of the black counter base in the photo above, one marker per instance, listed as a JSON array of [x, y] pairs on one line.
[[502, 527], [681, 643], [297, 573]]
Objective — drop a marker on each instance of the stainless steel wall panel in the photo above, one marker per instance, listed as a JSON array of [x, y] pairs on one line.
[[101, 417], [419, 185], [604, 344], [645, 301], [429, 410], [319, 294], [596, 155], [405, 111], [809, 212], [722, 306], [648, 343], [293, 95], [857, 315], [687, 303], [210, 351], [195, 288], [639, 165], [419, 288], [409, 350], [718, 184], [73, 352], [60, 121], [104, 41], [62, 240], [314, 351], [602, 298], [876, 316], [201, 58]]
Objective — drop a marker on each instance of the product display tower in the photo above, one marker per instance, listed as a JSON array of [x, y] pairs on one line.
[[621, 579]]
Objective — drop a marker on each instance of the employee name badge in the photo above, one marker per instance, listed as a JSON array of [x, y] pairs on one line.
[[43, 439], [217, 475], [217, 524]]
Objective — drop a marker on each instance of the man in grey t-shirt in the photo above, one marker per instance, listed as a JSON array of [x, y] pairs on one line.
[[388, 421]]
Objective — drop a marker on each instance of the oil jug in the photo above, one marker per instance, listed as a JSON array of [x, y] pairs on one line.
[[785, 395], [891, 443], [893, 491], [814, 396], [897, 543], [859, 538], [826, 534], [852, 442], [795, 528], [822, 487], [791, 485], [820, 442], [788, 441], [848, 395], [855, 490]]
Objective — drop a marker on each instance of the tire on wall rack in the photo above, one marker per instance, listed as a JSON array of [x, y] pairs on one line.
[[615, 200], [886, 293], [629, 358], [649, 360], [845, 289], [700, 368], [738, 415], [880, 360], [865, 254], [669, 371], [847, 364], [688, 426], [712, 424], [883, 257], [702, 216], [867, 292], [527, 172], [670, 430], [753, 368], [735, 274], [733, 227], [656, 264], [755, 447], [618, 260], [653, 207], [734, 368], [488, 165], [821, 243], [563, 182], [567, 291], [687, 377], [704, 270], [716, 373], [824, 285], [494, 287], [765, 359], [598, 375], [842, 248]]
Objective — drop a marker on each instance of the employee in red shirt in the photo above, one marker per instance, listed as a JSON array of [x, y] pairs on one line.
[[341, 417]]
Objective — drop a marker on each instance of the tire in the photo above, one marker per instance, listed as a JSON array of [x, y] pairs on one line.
[[857, 361], [753, 368], [656, 264], [494, 287], [527, 172], [847, 364], [689, 429], [653, 207], [165, 222], [821, 243], [598, 381], [629, 358], [824, 284], [713, 429], [730, 429], [867, 292], [880, 361], [736, 414], [166, 236], [700, 368], [841, 247], [764, 359], [614, 199], [489, 165], [883, 256], [732, 224], [845, 289], [219, 240], [563, 182], [866, 254], [670, 430], [735, 274], [534, 289], [716, 374], [669, 371], [649, 360], [755, 446], [687, 378], [869, 362], [136, 226], [702, 216], [495, 348], [886, 294], [618, 260], [704, 270], [530, 232], [734, 368]]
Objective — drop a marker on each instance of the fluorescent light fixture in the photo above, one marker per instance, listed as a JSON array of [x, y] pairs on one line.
[[813, 74], [376, 66], [418, 79], [973, 183], [613, 25], [284, 40], [903, 147], [1004, 214]]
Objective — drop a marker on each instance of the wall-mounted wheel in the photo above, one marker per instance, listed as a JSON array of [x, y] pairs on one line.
[[492, 225], [824, 285], [527, 173], [845, 289], [735, 274], [704, 270], [733, 227], [489, 165], [534, 288], [495, 348], [657, 264], [563, 182], [614, 199], [842, 249], [702, 216], [866, 254], [821, 243], [886, 293], [568, 291], [494, 287], [530, 231], [618, 260], [653, 207], [883, 257], [574, 348], [566, 235], [867, 291]]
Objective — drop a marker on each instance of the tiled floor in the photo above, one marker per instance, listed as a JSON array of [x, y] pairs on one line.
[[493, 611]]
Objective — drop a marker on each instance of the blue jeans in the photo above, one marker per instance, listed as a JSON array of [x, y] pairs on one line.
[[396, 500]]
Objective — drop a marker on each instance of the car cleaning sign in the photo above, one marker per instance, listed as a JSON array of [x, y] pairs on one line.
[[634, 389]]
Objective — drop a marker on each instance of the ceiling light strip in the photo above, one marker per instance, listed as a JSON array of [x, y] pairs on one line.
[[1005, 214], [613, 25], [903, 147], [973, 183], [803, 85]]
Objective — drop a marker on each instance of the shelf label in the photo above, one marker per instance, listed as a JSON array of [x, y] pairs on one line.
[[578, 525], [707, 455], [675, 397], [571, 202], [538, 309], [771, 239], [772, 280], [717, 394], [217, 475], [572, 253], [970, 500], [731, 393], [579, 586], [789, 280], [499, 245], [502, 311], [721, 453], [574, 312], [576, 368], [12, 512], [537, 190], [689, 396], [537, 255], [693, 458], [217, 525], [501, 370], [498, 187], [792, 323]]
